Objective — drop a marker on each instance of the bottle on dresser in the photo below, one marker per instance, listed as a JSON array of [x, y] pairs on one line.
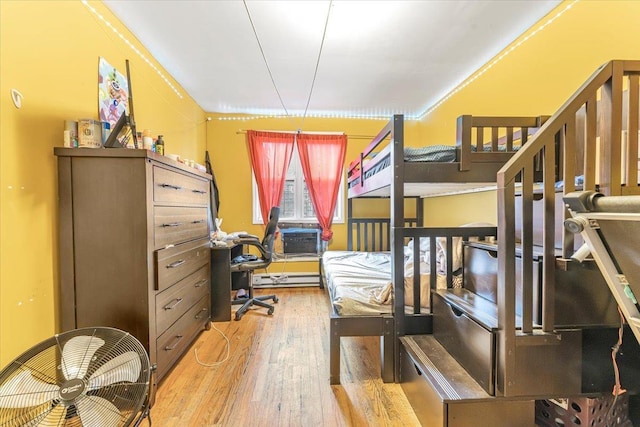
[[160, 145], [147, 140]]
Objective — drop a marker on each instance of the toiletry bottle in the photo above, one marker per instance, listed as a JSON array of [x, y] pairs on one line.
[[160, 145], [147, 141]]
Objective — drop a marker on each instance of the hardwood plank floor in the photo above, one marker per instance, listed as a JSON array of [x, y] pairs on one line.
[[277, 374]]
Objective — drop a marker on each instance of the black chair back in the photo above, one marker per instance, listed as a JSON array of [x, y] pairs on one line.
[[270, 232]]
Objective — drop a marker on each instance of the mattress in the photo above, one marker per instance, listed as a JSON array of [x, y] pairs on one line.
[[427, 154], [359, 283]]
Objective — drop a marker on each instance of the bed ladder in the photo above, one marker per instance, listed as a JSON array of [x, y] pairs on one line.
[[610, 226]]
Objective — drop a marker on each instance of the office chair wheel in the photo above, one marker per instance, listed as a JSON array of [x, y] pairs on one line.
[[238, 316], [270, 311], [275, 299]]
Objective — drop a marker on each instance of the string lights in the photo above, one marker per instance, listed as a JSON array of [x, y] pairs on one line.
[[410, 117], [431, 109], [133, 47], [490, 65]]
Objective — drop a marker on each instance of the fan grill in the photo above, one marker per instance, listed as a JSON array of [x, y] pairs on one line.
[[85, 377]]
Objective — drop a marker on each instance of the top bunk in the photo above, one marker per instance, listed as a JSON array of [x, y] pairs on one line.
[[483, 146]]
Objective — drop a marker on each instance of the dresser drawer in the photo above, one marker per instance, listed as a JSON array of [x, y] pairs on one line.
[[172, 343], [173, 302], [178, 224], [176, 188], [175, 263], [469, 343]]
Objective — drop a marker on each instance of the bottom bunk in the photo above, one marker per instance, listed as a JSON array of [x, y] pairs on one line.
[[360, 288]]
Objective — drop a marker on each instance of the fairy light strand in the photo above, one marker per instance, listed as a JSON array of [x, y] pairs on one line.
[[287, 115], [133, 47], [490, 65]]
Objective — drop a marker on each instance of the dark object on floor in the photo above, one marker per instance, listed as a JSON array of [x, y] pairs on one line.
[[584, 411], [249, 265]]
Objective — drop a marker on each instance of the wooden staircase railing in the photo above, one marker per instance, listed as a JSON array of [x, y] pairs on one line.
[[594, 135]]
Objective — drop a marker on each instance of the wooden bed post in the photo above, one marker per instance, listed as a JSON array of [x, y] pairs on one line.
[[349, 224], [463, 140], [610, 132], [396, 234]]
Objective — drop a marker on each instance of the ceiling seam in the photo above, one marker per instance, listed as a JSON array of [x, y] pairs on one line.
[[315, 72], [264, 58]]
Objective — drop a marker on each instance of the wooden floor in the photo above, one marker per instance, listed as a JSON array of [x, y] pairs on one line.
[[277, 374]]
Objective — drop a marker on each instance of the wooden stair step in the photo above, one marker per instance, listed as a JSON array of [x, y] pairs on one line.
[[446, 376]]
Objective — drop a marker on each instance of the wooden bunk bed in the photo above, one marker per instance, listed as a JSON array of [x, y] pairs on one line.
[[483, 145], [504, 345]]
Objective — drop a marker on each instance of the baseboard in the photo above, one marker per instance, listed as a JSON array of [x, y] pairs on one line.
[[285, 280]]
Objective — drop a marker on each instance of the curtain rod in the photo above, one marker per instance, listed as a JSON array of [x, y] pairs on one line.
[[243, 131]]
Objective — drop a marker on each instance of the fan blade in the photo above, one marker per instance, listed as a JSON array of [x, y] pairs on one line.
[[96, 411], [24, 391], [77, 354], [125, 367], [53, 417]]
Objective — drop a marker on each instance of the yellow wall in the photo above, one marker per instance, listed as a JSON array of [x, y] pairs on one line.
[[49, 51], [230, 160], [535, 79], [546, 69]]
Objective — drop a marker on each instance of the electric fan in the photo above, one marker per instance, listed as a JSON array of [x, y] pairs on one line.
[[91, 377]]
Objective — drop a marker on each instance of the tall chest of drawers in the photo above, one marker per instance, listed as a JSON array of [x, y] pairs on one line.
[[134, 247]]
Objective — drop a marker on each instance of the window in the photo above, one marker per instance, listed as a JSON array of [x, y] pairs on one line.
[[296, 204]]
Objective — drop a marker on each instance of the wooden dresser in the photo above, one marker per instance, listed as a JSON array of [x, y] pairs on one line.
[[134, 247]]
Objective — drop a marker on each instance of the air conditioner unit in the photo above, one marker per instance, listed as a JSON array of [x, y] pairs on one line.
[[300, 240], [305, 279]]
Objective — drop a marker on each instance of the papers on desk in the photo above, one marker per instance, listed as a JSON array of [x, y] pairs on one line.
[[235, 235]]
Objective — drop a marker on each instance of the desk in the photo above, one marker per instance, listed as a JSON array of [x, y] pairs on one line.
[[223, 281]]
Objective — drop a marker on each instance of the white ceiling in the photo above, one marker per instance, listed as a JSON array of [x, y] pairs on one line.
[[378, 57]]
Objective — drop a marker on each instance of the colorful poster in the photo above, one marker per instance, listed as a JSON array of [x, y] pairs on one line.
[[112, 93]]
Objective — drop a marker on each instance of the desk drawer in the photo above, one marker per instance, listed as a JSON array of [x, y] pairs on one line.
[[178, 224], [175, 263], [175, 301], [171, 344], [176, 188], [469, 343]]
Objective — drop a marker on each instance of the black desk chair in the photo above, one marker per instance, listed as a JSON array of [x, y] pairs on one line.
[[251, 263]]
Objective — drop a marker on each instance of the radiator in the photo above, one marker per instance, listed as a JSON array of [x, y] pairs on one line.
[[284, 280]]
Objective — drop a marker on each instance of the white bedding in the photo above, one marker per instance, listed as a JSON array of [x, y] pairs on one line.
[[360, 282]]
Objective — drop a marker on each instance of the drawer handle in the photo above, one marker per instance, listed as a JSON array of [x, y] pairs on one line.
[[199, 221], [204, 310], [176, 264], [174, 305], [199, 191], [175, 344], [418, 371], [456, 311], [171, 224], [200, 283], [173, 187]]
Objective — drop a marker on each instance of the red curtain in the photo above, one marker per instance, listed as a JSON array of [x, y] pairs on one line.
[[322, 159], [270, 154]]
